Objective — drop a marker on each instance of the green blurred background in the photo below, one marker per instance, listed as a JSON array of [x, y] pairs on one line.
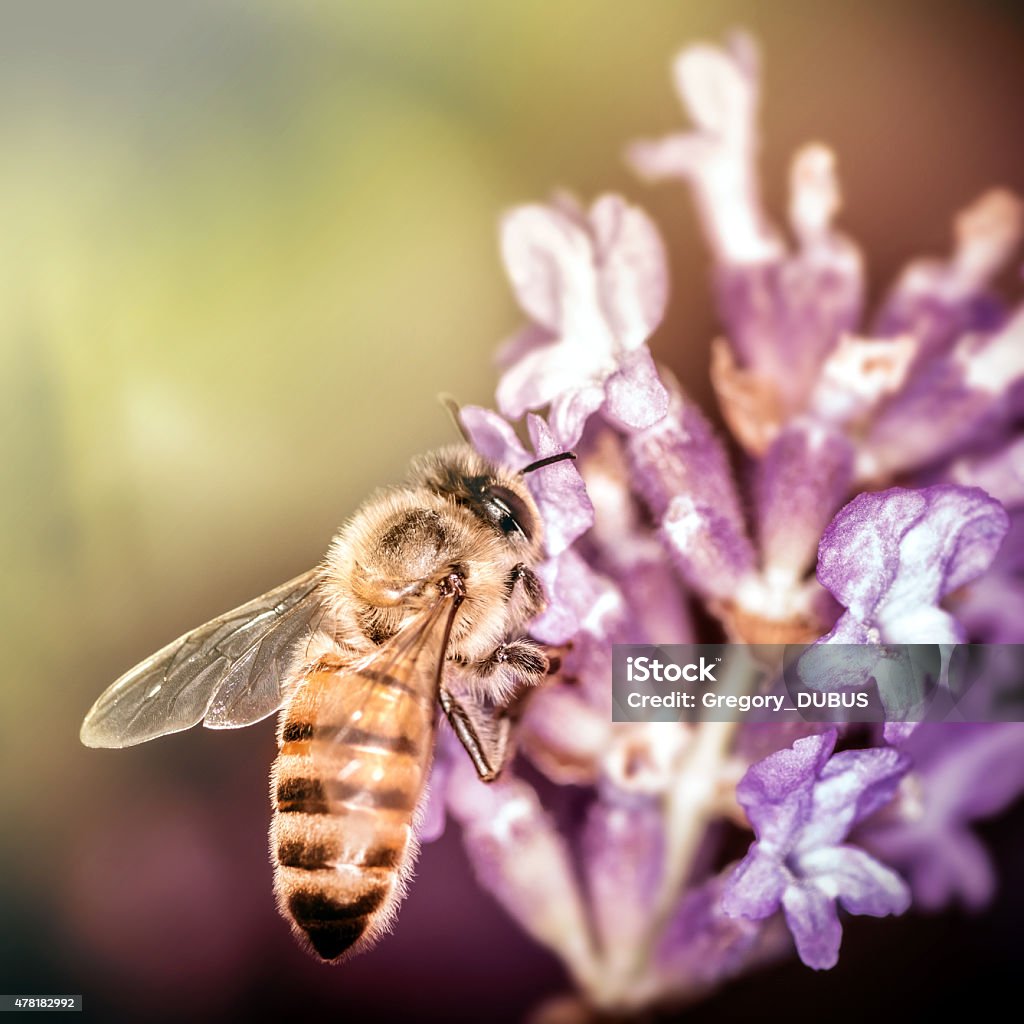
[[242, 248]]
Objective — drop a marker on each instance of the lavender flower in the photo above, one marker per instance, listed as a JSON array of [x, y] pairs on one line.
[[801, 804], [890, 557], [937, 301], [884, 472], [595, 285], [909, 549], [720, 90], [522, 859], [962, 774]]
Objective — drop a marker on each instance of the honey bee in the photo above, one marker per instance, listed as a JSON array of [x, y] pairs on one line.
[[420, 601]]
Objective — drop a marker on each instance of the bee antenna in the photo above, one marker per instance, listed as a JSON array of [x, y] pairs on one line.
[[454, 411], [541, 463]]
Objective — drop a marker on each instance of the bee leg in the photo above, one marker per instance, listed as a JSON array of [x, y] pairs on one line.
[[522, 659], [483, 730], [513, 668], [532, 591]]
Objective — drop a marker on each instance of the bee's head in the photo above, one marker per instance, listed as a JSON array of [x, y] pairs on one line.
[[497, 496]]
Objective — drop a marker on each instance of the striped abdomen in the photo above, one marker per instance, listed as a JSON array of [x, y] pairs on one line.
[[355, 749]]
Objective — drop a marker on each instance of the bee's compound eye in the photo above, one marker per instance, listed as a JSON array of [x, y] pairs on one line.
[[510, 513]]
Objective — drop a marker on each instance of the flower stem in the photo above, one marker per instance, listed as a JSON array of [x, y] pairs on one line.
[[690, 803]]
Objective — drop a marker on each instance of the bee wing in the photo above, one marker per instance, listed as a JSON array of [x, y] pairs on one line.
[[373, 723], [227, 673]]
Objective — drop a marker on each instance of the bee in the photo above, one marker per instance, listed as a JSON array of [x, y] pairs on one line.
[[421, 601]]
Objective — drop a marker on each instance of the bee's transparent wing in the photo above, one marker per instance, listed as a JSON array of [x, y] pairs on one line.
[[226, 674], [373, 722]]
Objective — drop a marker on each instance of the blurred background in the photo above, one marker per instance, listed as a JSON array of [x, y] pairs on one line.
[[242, 247]]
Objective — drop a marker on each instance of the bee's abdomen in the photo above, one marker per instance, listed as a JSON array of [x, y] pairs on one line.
[[342, 831], [334, 890]]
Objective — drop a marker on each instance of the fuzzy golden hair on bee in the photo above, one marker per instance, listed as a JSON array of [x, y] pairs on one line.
[[458, 509], [422, 601]]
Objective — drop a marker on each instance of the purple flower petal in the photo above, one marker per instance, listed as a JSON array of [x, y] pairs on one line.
[[999, 472], [845, 659], [561, 619], [564, 735], [571, 408], [861, 884], [636, 397], [683, 474], [558, 374], [623, 853], [559, 492], [629, 551], [853, 786], [519, 856], [682, 455], [519, 344], [812, 919], [814, 197], [702, 945], [897, 733], [992, 606], [631, 265], [785, 316], [712, 556], [891, 556], [783, 313], [493, 436], [755, 889], [982, 773], [961, 398], [962, 871], [719, 88], [801, 804], [783, 319], [659, 611], [962, 773], [596, 284], [801, 482], [938, 301], [578, 597], [992, 609], [776, 792], [858, 375], [548, 257]]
